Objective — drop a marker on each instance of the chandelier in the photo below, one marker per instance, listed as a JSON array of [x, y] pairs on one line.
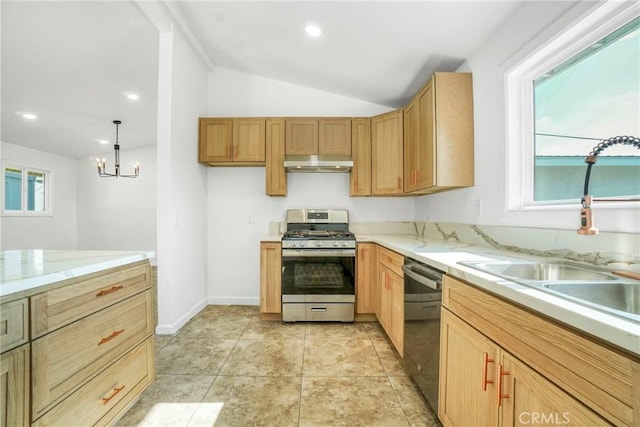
[[101, 164]]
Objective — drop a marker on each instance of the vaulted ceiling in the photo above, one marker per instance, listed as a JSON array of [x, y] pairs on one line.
[[73, 63]]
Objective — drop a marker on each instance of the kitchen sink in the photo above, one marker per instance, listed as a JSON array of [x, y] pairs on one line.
[[621, 296], [589, 286], [536, 271]]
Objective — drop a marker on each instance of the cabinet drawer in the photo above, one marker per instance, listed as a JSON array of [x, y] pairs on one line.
[[97, 402], [14, 324], [393, 260], [56, 308], [68, 357]]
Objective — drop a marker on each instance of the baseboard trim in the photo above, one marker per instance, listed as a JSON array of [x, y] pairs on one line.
[[172, 329], [233, 301]]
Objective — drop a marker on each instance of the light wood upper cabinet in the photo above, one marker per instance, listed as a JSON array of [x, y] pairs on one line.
[[326, 135], [276, 176], [334, 136], [387, 154], [249, 140], [301, 136], [270, 277], [360, 177], [439, 135], [239, 141]]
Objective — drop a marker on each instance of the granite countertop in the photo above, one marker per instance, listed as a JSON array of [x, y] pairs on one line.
[[23, 271], [443, 255]]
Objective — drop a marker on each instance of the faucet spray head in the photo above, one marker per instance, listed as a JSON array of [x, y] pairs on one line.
[[586, 217]]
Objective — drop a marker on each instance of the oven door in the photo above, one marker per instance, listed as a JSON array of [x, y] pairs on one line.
[[318, 275]]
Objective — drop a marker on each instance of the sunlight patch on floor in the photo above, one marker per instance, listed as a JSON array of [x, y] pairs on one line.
[[189, 414]]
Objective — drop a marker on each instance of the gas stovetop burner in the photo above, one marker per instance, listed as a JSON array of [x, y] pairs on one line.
[[319, 235]]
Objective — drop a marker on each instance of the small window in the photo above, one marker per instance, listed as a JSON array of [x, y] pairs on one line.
[[592, 96], [26, 190]]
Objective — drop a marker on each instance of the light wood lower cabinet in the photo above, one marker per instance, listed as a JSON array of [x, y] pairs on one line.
[[14, 387], [90, 353], [366, 278], [391, 296], [504, 365], [108, 393], [270, 277], [64, 359]]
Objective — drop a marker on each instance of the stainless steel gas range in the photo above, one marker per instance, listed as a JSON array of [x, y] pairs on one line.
[[318, 266]]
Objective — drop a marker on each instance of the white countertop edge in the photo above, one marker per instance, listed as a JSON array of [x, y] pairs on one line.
[[30, 283], [445, 256]]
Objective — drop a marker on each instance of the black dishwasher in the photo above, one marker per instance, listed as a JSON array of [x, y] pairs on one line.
[[422, 303]]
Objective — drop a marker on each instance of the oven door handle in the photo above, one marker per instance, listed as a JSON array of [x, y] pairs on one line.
[[425, 277], [346, 253]]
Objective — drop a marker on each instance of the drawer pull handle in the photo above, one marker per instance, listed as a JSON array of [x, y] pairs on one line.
[[501, 374], [110, 337], [106, 400], [108, 291], [485, 362]]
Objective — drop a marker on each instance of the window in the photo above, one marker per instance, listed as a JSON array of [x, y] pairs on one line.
[[573, 86], [592, 96], [26, 190]]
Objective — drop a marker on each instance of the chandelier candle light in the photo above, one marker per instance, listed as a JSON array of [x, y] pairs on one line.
[[101, 164]]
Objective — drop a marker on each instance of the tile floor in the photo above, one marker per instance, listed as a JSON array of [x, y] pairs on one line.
[[226, 367]]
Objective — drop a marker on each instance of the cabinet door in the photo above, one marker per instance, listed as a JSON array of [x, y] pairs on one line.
[[276, 176], [249, 140], [384, 305], [215, 144], [334, 136], [387, 153], [360, 177], [366, 278], [14, 387], [453, 105], [410, 120], [526, 397], [396, 288], [270, 277], [425, 176], [302, 136], [467, 394]]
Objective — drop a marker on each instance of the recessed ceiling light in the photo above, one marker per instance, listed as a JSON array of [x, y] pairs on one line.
[[313, 30], [29, 116], [133, 96], [103, 141]]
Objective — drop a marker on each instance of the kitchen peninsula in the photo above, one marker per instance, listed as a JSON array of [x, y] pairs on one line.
[[77, 331]]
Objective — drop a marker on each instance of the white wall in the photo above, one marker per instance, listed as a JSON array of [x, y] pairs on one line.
[[57, 231], [181, 184], [118, 214], [530, 25], [235, 194]]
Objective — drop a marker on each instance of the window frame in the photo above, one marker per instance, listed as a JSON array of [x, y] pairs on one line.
[[546, 52], [48, 190]]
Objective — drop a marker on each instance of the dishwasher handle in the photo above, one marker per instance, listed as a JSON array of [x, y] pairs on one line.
[[430, 278]]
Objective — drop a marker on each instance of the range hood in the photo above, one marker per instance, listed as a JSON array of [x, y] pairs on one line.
[[318, 163]]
